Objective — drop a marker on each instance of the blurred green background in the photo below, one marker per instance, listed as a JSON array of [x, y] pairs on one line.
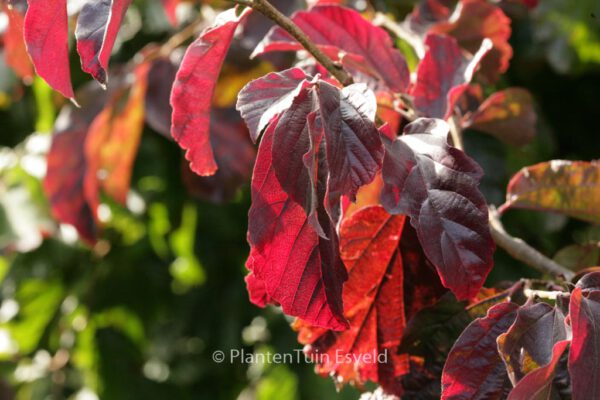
[[140, 314]]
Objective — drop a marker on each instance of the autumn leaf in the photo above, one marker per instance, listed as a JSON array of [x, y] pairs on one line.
[[372, 303], [443, 75], [566, 187], [113, 140], [436, 186], [584, 312], [290, 265], [474, 369], [528, 343], [192, 92], [97, 27], [537, 385], [46, 33], [477, 21], [508, 115], [15, 51], [67, 165], [345, 36]]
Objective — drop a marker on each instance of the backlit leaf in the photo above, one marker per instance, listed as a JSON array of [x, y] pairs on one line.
[[192, 92], [290, 264], [46, 33], [372, 304], [15, 51], [566, 187], [474, 369], [436, 186], [113, 140], [345, 36], [476, 21], [443, 75]]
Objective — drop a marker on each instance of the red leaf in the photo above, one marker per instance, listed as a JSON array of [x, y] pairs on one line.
[[298, 269], [584, 355], [443, 75], [372, 303], [344, 35], [476, 21], [508, 115], [113, 140], [15, 51], [46, 33], [267, 97], [97, 27], [193, 89], [474, 370], [170, 7], [537, 385], [67, 165], [528, 344], [436, 186]]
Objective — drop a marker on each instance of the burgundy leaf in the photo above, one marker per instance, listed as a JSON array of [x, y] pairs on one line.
[[158, 109], [354, 149], [584, 355], [343, 33], [537, 385], [97, 27], [528, 344], [264, 98], [443, 75], [590, 281], [234, 153], [193, 90], [436, 186], [372, 303], [290, 263], [46, 33], [474, 369]]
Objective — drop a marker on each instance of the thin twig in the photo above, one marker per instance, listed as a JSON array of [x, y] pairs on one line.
[[456, 132], [521, 251], [265, 8]]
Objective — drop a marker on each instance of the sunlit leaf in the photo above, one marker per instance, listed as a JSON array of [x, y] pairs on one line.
[[566, 187]]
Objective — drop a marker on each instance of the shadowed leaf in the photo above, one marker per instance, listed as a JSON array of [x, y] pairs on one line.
[[97, 27], [508, 115], [436, 186]]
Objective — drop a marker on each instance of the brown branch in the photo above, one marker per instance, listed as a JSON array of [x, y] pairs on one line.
[[523, 252], [265, 8]]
